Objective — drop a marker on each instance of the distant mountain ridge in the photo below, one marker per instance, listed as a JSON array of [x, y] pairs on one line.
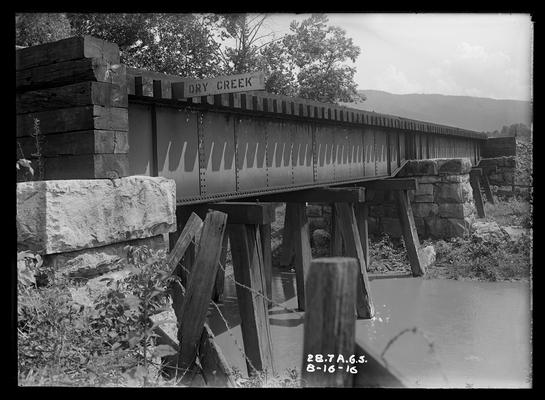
[[473, 113]]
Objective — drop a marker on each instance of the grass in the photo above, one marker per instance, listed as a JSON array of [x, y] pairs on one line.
[[111, 343], [513, 212], [493, 259]]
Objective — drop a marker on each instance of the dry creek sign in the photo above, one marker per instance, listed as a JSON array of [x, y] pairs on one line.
[[220, 85]]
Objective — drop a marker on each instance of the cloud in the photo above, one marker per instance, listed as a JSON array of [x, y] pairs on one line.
[[395, 81], [474, 71]]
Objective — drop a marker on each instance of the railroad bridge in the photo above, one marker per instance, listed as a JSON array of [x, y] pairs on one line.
[[81, 114]]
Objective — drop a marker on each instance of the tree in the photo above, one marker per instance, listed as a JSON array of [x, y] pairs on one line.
[[32, 29], [179, 44], [244, 30], [310, 61], [320, 51]]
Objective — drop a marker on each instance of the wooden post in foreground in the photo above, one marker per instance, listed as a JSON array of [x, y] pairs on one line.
[[330, 321], [199, 289], [410, 235]]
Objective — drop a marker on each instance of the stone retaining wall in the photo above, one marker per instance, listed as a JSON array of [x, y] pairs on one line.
[[442, 206], [84, 226], [505, 170]]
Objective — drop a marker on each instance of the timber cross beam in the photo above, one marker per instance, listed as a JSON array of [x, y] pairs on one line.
[[249, 213], [318, 195], [391, 184]]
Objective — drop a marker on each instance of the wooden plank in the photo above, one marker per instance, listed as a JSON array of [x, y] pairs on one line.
[[199, 288], [86, 166], [248, 268], [362, 215], [149, 76], [68, 72], [364, 305], [191, 228], [288, 250], [246, 212], [474, 180], [75, 143], [303, 252], [487, 189], [214, 365], [375, 373], [78, 94], [74, 119], [265, 234], [188, 261], [330, 323], [410, 235], [318, 195], [65, 50], [391, 184], [220, 276]]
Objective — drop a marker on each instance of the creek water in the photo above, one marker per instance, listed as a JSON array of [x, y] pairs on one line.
[[469, 333]]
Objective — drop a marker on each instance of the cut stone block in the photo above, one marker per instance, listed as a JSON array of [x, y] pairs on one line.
[[448, 193], [424, 210], [428, 179], [69, 215], [418, 167], [451, 210], [453, 166]]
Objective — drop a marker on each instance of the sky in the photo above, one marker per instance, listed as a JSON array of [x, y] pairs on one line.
[[481, 55]]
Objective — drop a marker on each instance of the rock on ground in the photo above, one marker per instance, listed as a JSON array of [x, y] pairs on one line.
[[427, 256], [487, 229]]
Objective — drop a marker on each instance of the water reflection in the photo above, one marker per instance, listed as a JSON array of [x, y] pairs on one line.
[[480, 330]]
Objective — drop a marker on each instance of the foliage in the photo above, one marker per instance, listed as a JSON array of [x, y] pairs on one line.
[[23, 162], [511, 212], [244, 30], [32, 29], [179, 44], [264, 380], [319, 51], [491, 259], [62, 342], [308, 62], [387, 254], [518, 130]]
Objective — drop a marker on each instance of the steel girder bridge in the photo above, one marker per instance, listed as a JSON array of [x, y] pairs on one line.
[[249, 144]]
